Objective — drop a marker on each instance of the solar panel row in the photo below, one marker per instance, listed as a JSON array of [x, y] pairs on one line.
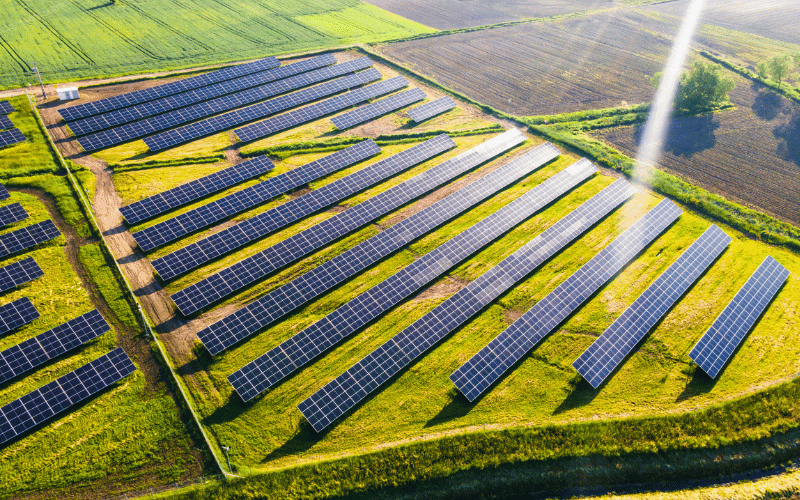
[[300, 349], [13, 136], [6, 108], [11, 214], [131, 98], [152, 125], [42, 404], [196, 189], [234, 203], [431, 109], [4, 193], [17, 313], [246, 321], [28, 236], [715, 348], [346, 390], [159, 106], [378, 108], [318, 110], [5, 122], [196, 254], [619, 339], [13, 275], [186, 133]]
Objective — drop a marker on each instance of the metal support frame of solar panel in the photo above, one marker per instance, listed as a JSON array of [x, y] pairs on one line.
[[346, 390], [13, 136], [717, 345], [318, 110], [240, 201], [303, 347], [378, 108], [202, 111], [130, 114], [10, 214], [489, 364], [196, 189], [15, 314], [248, 320], [23, 271], [5, 122], [26, 237], [79, 111], [607, 352], [431, 109], [6, 108], [36, 351], [4, 193], [51, 399]]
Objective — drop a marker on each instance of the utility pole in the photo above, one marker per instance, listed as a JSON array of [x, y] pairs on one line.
[[226, 448], [36, 70]]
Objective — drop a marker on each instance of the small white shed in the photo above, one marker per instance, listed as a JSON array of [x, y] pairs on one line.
[[67, 93]]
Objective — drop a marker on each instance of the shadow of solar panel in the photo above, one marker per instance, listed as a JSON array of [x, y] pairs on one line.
[[4, 193], [5, 122], [346, 390], [486, 367], [36, 351], [11, 214], [13, 136], [194, 190], [610, 349], [26, 237], [165, 104], [378, 108], [6, 108], [318, 110], [13, 275], [132, 98], [240, 201], [44, 403], [17, 313], [715, 348], [431, 109]]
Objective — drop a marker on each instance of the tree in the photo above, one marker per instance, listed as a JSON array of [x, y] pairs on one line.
[[779, 68], [763, 70], [701, 89]]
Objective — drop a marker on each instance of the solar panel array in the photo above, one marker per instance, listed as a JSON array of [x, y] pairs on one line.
[[318, 110], [17, 313], [6, 108], [166, 140], [34, 352], [42, 404], [4, 193], [195, 254], [300, 349], [5, 122], [228, 206], [131, 98], [431, 109], [246, 321], [204, 186], [28, 236], [23, 271], [619, 339], [346, 390], [152, 125], [11, 214], [13, 136], [159, 106], [378, 108], [729, 329]]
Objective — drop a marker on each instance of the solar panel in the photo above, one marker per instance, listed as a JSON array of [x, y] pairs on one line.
[[431, 109], [5, 122], [314, 111], [716, 346], [246, 321], [17, 313], [11, 214], [204, 186], [228, 206], [20, 272], [619, 339], [165, 104], [6, 108], [300, 349], [36, 351], [4, 193], [378, 108], [174, 118], [346, 390], [42, 404], [194, 255], [28, 236], [12, 136], [131, 98]]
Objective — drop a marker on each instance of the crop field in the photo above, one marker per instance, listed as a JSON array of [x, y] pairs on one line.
[[72, 40]]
